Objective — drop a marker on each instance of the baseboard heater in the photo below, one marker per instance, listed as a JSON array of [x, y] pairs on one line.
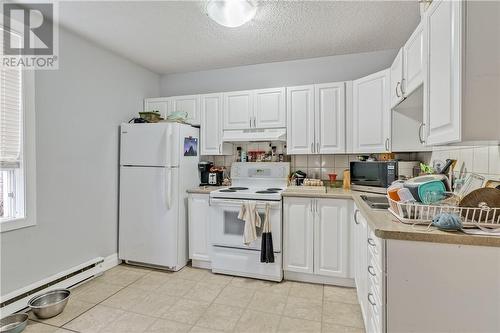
[[18, 300]]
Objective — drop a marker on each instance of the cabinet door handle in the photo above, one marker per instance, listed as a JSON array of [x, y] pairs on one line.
[[386, 144], [371, 300], [220, 149], [316, 206], [397, 86], [371, 270], [371, 242], [356, 211], [311, 208], [317, 147], [420, 133], [250, 122], [402, 87], [312, 147]]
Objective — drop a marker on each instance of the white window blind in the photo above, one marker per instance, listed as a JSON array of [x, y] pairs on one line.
[[11, 116]]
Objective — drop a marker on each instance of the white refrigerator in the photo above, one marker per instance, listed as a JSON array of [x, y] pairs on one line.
[[158, 163]]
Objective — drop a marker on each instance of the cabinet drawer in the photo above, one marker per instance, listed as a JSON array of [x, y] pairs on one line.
[[375, 309], [375, 279], [376, 249]]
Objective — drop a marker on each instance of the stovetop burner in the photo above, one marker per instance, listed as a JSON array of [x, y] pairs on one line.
[[274, 189], [238, 188], [266, 192], [227, 190]]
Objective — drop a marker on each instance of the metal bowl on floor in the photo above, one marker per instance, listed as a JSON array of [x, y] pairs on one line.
[[14, 323], [49, 304]]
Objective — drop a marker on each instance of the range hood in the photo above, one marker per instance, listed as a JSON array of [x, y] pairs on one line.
[[270, 134]]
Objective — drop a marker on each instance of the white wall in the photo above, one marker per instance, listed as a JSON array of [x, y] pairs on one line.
[[276, 74], [78, 108]]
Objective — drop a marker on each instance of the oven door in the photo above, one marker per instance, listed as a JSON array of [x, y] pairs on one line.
[[227, 229]]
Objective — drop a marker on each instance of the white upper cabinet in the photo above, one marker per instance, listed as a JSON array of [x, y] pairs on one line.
[[329, 105], [397, 79], [264, 108], [462, 72], [300, 119], [371, 116], [161, 104], [189, 104], [442, 97], [331, 238], [413, 64], [298, 228], [407, 68], [316, 119], [269, 108], [238, 110], [211, 126]]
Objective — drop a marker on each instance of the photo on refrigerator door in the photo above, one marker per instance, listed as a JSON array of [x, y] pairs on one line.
[[190, 146]]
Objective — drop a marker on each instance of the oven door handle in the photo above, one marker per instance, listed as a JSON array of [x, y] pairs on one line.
[[223, 202]]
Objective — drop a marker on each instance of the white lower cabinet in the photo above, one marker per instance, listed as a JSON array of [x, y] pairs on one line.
[[361, 259], [369, 273], [331, 238], [316, 236], [198, 216], [298, 228]]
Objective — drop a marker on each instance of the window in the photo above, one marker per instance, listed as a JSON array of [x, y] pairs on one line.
[[17, 191]]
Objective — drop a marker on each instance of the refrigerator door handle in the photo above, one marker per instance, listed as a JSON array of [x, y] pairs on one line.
[[168, 139], [168, 187]]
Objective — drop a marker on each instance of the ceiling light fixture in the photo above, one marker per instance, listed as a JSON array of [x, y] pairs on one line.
[[231, 13]]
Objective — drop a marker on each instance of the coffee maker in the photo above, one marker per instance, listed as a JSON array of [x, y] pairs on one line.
[[204, 169]]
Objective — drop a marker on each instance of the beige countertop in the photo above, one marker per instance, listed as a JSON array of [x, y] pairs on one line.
[[387, 226]]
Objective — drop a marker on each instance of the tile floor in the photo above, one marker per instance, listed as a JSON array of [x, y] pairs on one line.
[[128, 299]]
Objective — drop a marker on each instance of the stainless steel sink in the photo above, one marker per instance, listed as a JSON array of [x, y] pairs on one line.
[[376, 201]]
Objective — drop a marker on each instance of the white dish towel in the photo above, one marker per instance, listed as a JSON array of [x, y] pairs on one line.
[[249, 214]]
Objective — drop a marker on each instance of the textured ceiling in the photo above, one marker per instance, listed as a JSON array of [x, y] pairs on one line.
[[177, 36]]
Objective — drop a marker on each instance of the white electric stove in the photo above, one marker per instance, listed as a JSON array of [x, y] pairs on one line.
[[261, 183]]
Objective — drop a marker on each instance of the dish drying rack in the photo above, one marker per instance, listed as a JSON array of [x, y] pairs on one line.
[[418, 213]]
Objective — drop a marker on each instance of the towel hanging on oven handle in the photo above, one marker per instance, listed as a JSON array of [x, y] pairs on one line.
[[266, 249]]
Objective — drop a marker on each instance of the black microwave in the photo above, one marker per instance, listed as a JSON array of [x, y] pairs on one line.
[[373, 176]]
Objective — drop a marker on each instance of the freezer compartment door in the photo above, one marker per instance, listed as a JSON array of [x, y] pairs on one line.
[[149, 215], [149, 144]]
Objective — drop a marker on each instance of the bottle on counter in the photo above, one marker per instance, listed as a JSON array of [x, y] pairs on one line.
[[238, 154], [274, 157], [243, 156]]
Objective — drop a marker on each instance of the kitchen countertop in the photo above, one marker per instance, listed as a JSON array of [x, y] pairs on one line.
[[204, 189], [387, 226]]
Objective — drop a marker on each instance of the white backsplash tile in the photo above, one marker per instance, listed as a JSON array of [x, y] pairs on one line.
[[325, 172], [480, 160], [314, 161], [465, 162], [341, 161], [484, 160], [313, 173], [340, 173], [327, 161], [300, 161], [219, 160], [494, 160]]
